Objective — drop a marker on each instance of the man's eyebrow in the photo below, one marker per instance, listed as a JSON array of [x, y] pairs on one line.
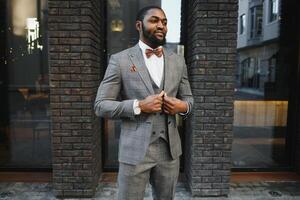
[[164, 19]]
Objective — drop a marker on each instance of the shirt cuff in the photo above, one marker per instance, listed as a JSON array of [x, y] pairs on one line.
[[136, 108]]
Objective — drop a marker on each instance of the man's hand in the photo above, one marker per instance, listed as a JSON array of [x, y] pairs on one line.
[[173, 105], [152, 104]]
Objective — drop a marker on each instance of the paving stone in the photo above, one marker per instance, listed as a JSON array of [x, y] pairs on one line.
[[108, 191]]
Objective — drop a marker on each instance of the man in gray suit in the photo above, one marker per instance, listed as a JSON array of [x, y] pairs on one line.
[[146, 86]]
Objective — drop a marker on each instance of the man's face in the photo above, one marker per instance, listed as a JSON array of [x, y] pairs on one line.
[[154, 28]]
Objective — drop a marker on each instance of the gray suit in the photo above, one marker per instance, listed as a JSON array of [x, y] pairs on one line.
[[126, 79]]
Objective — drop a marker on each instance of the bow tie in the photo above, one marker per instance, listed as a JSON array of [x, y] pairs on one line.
[[158, 52]]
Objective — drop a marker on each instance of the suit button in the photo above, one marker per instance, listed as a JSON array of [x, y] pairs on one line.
[[153, 132], [161, 113], [169, 122]]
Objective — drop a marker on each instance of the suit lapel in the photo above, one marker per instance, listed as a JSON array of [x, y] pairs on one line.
[[168, 70], [138, 61]]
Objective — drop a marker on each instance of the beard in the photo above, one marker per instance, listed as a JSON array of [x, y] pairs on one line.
[[152, 39]]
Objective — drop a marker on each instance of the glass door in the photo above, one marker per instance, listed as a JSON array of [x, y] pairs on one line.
[[24, 86], [261, 96]]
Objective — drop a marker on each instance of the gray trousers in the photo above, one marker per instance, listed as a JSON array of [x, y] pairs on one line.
[[158, 167]]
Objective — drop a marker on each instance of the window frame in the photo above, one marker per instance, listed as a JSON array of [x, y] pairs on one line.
[[256, 23]]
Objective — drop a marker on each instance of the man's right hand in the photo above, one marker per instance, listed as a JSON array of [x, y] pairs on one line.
[[152, 103]]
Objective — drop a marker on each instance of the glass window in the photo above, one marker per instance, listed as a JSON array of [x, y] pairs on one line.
[[25, 119], [261, 103], [242, 23], [273, 10], [250, 73], [256, 21], [272, 62], [121, 34]]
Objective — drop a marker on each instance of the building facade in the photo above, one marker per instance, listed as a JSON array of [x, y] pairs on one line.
[[243, 65]]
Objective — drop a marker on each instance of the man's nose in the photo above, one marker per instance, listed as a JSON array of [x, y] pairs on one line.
[[160, 25]]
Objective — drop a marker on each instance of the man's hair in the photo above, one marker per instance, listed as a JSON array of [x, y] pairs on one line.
[[141, 14]]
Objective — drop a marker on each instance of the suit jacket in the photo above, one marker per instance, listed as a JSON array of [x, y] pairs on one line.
[[126, 79]]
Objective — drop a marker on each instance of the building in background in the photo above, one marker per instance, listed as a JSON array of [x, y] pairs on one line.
[[243, 65], [258, 49]]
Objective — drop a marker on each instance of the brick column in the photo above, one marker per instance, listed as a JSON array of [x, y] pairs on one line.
[[211, 59], [75, 42]]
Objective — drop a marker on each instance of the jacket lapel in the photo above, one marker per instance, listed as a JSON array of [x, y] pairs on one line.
[[138, 61], [168, 70]]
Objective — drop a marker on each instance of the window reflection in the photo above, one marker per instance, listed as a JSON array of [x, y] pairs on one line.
[[273, 10], [25, 122], [261, 93]]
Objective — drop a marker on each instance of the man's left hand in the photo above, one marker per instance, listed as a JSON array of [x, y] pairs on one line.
[[172, 105]]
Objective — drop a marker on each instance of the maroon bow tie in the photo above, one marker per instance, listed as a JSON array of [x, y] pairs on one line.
[[158, 52]]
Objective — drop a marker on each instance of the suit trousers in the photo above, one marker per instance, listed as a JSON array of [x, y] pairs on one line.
[[158, 168]]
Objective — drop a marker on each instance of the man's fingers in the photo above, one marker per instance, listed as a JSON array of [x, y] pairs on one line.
[[166, 111], [158, 101], [168, 106], [166, 99], [169, 102], [161, 94]]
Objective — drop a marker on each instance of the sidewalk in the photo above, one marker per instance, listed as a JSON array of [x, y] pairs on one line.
[[107, 191]]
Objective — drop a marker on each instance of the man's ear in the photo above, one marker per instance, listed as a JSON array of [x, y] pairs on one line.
[[138, 25]]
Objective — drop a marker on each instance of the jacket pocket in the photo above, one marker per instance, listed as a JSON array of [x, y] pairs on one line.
[[129, 125]]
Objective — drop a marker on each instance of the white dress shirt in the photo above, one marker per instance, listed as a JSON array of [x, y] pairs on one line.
[[154, 64]]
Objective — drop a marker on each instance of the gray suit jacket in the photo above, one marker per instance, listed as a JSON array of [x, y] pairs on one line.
[[126, 79]]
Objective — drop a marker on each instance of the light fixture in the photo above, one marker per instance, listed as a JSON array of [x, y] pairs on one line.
[[117, 25]]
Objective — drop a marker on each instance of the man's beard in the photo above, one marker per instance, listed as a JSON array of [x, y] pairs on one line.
[[152, 39]]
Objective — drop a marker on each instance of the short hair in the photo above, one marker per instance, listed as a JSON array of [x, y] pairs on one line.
[[141, 14]]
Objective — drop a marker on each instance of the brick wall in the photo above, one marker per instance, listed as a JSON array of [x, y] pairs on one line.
[[75, 46], [211, 58]]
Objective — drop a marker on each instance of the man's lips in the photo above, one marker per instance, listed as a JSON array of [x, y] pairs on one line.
[[159, 34]]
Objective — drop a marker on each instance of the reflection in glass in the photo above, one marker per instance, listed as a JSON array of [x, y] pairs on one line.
[[261, 96], [273, 10], [256, 21], [122, 34], [242, 23], [25, 117]]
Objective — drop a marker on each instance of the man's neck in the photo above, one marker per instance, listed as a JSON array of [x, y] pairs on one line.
[[149, 44]]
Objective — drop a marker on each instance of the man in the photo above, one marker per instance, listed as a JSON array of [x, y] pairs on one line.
[[145, 86]]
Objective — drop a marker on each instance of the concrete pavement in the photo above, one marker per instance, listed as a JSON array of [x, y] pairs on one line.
[[107, 191]]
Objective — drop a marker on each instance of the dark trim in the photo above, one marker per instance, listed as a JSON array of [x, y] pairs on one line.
[[289, 39], [16, 169], [110, 169], [260, 44], [104, 66], [248, 169], [297, 109]]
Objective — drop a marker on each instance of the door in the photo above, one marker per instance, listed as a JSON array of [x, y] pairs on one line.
[[262, 97], [24, 86]]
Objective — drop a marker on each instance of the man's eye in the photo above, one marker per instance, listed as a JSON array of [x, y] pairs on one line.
[[153, 20]]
